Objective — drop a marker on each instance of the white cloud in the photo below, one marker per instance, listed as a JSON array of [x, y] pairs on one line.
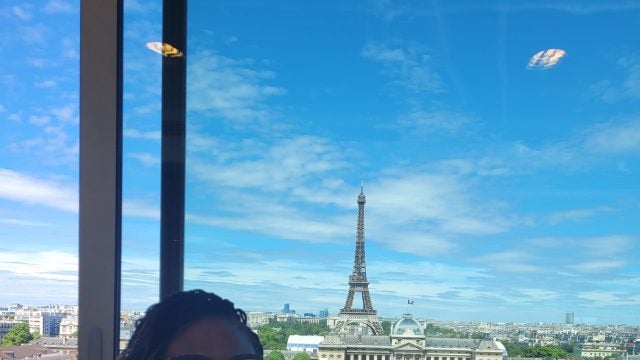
[[513, 261], [21, 13], [45, 84], [410, 66], [66, 113], [46, 265], [441, 200], [60, 6], [608, 298], [34, 34], [538, 294], [283, 223], [14, 117], [576, 214], [627, 88], [598, 266], [433, 120], [146, 159], [2, 108], [283, 165], [23, 188], [230, 89], [140, 209], [152, 108], [613, 137], [38, 62], [23, 222], [39, 120], [71, 48], [139, 134]]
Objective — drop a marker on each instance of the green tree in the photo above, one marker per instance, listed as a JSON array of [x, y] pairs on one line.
[[271, 338], [550, 352], [440, 332], [19, 334], [275, 355], [386, 327], [301, 356]]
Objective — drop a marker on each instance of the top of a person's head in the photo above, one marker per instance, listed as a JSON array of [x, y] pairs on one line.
[[186, 319]]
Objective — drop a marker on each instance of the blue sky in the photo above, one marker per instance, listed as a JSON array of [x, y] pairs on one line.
[[495, 191]]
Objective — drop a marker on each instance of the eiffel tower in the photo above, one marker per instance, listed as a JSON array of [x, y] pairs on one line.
[[365, 319]]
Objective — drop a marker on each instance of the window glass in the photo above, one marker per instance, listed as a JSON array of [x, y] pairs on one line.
[[39, 168], [142, 91], [497, 143]]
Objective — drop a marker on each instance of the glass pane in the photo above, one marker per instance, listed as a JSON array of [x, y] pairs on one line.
[[39, 171], [497, 142], [141, 163]]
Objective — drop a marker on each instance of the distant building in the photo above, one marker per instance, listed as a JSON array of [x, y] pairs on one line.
[[568, 318], [286, 309], [257, 319], [323, 313], [407, 342], [311, 315], [604, 350], [306, 343], [50, 324], [69, 325]]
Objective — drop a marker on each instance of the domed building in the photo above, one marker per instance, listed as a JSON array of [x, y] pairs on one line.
[[407, 327], [407, 342]]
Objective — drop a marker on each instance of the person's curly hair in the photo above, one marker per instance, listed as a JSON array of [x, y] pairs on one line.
[[165, 320]]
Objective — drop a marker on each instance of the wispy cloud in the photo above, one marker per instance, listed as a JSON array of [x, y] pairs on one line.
[[139, 134], [231, 89], [39, 120], [433, 120], [283, 165], [410, 65], [609, 298], [598, 266], [34, 34], [625, 88], [20, 187], [539, 294], [23, 222], [145, 159], [515, 261], [615, 137], [48, 265], [577, 214], [60, 7], [21, 13], [45, 84]]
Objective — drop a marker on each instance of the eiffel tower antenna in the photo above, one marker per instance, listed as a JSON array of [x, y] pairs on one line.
[[358, 282]]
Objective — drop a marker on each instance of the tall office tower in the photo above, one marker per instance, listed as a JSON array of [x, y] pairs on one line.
[[568, 318], [355, 320]]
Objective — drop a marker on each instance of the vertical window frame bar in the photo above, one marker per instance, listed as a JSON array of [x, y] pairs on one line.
[[172, 202], [100, 185]]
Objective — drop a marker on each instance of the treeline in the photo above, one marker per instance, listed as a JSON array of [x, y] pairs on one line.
[[538, 351], [277, 355], [274, 335], [436, 331]]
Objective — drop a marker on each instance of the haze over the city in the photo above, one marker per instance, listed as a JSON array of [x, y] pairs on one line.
[[498, 143]]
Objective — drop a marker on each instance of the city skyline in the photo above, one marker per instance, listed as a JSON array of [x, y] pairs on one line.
[[498, 142]]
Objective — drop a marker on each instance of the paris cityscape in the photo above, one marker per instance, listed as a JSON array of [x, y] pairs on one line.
[[356, 332], [368, 179]]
